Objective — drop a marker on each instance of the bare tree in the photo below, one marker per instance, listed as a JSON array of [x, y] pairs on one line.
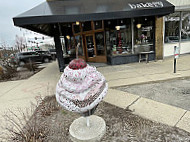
[[20, 43]]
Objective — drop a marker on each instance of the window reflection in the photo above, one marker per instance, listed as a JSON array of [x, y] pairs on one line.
[[90, 46], [76, 28], [172, 24], [118, 41], [172, 27], [71, 46], [78, 39], [143, 34], [87, 26], [98, 25], [185, 32], [100, 43]]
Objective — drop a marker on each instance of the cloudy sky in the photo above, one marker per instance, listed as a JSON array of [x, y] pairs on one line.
[[8, 10]]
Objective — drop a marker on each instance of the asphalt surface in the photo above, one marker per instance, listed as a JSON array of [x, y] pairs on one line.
[[174, 92]]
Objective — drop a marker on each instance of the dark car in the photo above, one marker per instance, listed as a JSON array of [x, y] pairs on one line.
[[52, 51], [33, 56]]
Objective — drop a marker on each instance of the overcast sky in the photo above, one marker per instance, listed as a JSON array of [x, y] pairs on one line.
[[8, 10]]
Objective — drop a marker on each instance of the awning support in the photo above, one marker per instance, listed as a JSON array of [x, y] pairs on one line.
[[58, 48]]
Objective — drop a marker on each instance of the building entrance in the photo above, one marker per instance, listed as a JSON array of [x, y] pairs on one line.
[[90, 48]]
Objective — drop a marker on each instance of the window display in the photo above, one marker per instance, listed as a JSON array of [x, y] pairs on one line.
[[71, 46], [143, 34], [97, 25], [119, 37], [87, 26], [114, 38], [90, 45], [185, 32], [76, 28], [99, 37], [77, 40], [172, 22]]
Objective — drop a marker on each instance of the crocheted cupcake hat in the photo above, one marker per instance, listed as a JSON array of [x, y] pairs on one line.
[[81, 87]]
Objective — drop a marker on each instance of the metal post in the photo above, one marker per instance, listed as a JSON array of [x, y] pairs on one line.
[[174, 65], [58, 48], [176, 55], [132, 30], [180, 28]]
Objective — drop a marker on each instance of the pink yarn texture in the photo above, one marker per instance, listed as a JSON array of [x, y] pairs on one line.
[[81, 90]]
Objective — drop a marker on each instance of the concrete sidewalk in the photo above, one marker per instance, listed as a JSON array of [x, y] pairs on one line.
[[19, 94], [138, 73]]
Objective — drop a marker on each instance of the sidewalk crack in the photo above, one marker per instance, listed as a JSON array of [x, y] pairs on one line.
[[133, 102], [180, 118]]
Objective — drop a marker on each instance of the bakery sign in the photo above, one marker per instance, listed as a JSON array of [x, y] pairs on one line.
[[141, 5]]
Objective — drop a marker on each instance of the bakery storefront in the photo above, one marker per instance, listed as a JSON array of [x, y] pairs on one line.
[[111, 40], [109, 31]]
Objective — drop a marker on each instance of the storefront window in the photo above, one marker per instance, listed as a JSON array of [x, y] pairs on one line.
[[71, 46], [99, 37], [98, 25], [172, 22], [90, 45], [110, 24], [63, 44], [118, 36], [185, 32], [143, 34], [108, 44], [76, 28], [87, 26], [77, 40]]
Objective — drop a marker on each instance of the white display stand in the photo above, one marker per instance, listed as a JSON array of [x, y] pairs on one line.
[[87, 129]]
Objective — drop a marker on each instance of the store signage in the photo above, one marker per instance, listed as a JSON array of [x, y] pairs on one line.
[[146, 5], [177, 18], [172, 19], [148, 28]]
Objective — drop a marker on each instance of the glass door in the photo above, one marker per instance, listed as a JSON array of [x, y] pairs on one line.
[[90, 48]]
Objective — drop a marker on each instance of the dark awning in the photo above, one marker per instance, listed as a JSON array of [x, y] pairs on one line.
[[87, 10]]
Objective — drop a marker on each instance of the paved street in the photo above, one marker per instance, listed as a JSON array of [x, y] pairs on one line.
[[172, 92], [16, 94]]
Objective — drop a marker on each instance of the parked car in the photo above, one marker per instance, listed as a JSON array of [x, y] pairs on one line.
[[42, 52], [33, 56], [52, 51], [170, 39]]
